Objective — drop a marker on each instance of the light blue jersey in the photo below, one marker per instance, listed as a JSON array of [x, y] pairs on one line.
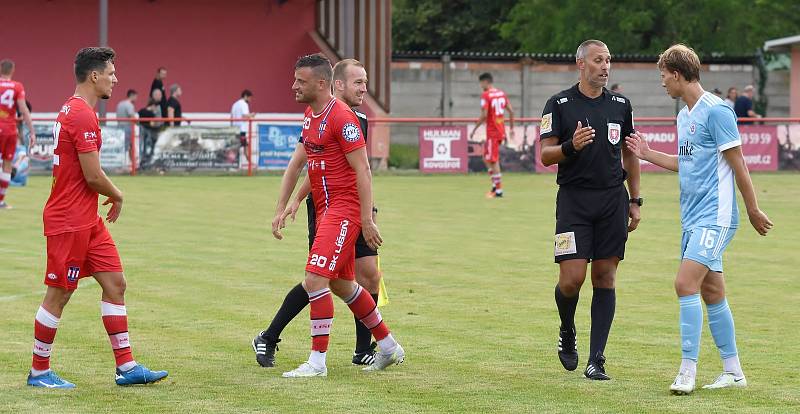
[[708, 195]]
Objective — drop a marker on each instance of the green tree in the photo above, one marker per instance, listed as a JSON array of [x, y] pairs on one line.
[[731, 27], [454, 25]]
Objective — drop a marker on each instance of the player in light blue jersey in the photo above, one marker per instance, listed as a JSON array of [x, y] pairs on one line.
[[709, 160]]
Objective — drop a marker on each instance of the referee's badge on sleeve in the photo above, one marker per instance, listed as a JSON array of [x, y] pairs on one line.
[[547, 124], [614, 133], [565, 244]]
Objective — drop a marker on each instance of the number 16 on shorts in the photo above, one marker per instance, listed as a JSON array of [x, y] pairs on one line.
[[706, 244]]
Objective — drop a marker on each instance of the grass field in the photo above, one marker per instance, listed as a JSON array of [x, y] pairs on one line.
[[471, 286]]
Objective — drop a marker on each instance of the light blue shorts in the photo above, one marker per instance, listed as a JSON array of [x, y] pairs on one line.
[[705, 245]]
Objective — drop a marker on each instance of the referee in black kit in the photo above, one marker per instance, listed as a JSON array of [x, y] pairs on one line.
[[583, 130]]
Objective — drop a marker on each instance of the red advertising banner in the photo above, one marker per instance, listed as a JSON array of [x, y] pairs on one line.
[[443, 149], [759, 145]]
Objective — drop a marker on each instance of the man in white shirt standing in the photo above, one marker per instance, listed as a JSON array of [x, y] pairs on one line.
[[240, 111]]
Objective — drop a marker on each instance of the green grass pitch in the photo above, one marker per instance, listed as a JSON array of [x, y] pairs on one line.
[[471, 286]]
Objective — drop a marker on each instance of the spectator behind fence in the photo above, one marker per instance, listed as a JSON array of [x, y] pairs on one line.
[[241, 110], [616, 88], [149, 130], [717, 92], [158, 97], [744, 105], [173, 105], [730, 100], [125, 109], [158, 83]]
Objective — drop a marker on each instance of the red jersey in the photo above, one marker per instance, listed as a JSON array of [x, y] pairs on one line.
[[327, 137], [10, 92], [494, 101], [72, 205]]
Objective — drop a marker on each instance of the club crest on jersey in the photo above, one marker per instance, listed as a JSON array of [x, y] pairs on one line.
[[350, 132], [692, 128], [72, 274], [614, 133]]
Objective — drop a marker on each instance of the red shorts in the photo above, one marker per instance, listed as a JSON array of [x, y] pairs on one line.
[[333, 253], [73, 255], [491, 149], [8, 146]]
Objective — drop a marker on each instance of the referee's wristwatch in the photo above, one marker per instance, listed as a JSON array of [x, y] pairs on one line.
[[638, 201]]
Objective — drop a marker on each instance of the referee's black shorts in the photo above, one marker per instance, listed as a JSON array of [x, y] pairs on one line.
[[362, 249], [591, 223]]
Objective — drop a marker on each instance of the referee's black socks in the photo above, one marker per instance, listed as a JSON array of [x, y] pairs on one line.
[[604, 302], [566, 309]]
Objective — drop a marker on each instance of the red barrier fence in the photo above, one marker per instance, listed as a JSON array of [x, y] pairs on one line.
[[445, 145]]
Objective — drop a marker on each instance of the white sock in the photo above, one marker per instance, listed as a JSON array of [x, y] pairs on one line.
[[388, 345], [689, 366], [127, 366], [732, 365], [36, 372], [317, 359]]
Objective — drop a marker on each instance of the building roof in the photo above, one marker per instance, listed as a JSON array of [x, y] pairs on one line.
[[400, 55], [783, 44]]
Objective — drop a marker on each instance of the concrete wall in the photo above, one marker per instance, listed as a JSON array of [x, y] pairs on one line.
[[417, 88]]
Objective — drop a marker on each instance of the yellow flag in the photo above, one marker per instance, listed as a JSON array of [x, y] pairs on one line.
[[383, 295]]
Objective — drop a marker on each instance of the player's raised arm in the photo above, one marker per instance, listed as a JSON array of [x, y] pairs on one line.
[[288, 182], [359, 162], [638, 146], [98, 181]]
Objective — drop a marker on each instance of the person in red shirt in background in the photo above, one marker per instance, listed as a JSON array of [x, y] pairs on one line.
[[334, 150], [12, 98], [494, 103], [78, 242]]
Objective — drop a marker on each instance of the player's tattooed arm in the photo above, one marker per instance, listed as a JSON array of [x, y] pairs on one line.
[[758, 218]]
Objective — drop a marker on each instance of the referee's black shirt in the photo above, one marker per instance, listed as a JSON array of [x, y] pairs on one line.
[[362, 119], [599, 164]]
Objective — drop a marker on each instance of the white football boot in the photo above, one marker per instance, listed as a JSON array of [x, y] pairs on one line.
[[727, 380], [382, 361], [306, 370], [683, 385]]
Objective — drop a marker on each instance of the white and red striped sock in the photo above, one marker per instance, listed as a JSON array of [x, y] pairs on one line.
[[5, 178], [115, 320], [44, 333], [497, 182], [364, 308], [321, 303]]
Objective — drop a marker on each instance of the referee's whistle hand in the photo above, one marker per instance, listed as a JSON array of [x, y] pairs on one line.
[[582, 137]]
